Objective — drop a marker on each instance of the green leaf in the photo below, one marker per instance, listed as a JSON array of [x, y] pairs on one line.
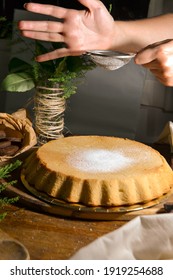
[[18, 82], [61, 66]]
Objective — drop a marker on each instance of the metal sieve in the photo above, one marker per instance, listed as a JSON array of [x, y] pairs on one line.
[[110, 60]]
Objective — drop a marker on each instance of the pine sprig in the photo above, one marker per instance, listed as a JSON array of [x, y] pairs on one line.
[[7, 169], [5, 172]]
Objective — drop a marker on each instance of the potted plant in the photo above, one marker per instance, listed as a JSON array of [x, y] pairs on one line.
[[54, 81]]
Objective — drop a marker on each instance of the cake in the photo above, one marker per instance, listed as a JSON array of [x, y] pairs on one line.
[[98, 171]]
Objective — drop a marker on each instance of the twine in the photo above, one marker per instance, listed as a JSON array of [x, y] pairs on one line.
[[49, 113]]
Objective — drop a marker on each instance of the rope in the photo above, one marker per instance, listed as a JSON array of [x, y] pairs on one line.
[[49, 113]]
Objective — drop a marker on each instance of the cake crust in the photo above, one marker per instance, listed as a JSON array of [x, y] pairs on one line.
[[99, 171]]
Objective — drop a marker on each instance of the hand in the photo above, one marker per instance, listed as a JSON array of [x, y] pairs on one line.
[[89, 29], [158, 58]]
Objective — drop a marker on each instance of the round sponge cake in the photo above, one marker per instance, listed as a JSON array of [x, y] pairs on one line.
[[98, 171]]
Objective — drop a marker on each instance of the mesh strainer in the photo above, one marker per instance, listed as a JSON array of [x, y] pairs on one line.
[[109, 60]]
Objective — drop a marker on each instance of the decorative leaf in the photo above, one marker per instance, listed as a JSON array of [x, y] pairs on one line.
[[18, 82]]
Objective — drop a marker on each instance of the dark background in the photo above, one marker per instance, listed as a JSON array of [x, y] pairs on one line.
[[121, 9]]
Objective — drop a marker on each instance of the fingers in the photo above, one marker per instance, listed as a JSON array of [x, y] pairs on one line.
[[43, 26], [57, 54], [163, 72], [154, 51], [49, 10], [44, 36], [165, 80], [158, 58], [57, 11], [164, 75]]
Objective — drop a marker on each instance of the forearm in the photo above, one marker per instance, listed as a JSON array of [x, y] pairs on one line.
[[132, 36]]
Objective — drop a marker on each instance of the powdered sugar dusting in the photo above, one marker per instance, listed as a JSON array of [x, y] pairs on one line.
[[99, 160]]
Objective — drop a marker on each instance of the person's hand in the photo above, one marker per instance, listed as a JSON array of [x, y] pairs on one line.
[[158, 58], [89, 29]]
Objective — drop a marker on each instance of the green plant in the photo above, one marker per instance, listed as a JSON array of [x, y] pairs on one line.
[[4, 174], [66, 71]]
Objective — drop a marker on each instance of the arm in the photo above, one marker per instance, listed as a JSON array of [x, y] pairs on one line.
[[93, 28]]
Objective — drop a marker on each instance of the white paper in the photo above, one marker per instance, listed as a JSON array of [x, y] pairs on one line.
[[143, 238]]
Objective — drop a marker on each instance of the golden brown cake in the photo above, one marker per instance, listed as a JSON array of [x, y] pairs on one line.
[[98, 170]]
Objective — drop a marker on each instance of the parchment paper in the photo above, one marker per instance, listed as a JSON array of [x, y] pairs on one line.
[[20, 122]]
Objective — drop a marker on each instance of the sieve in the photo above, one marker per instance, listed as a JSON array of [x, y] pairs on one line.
[[110, 60]]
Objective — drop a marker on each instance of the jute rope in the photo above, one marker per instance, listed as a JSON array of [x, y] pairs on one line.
[[49, 113]]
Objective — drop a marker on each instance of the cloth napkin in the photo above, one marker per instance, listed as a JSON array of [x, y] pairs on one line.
[[143, 238], [166, 136]]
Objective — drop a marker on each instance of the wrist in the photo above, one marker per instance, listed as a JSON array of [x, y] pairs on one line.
[[123, 39]]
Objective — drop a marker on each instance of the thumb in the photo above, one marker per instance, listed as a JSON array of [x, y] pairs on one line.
[[145, 56]]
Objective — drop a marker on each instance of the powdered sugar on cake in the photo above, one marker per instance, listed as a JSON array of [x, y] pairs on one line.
[[99, 160]]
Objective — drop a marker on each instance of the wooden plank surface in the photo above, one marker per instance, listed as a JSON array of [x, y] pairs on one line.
[[49, 237]]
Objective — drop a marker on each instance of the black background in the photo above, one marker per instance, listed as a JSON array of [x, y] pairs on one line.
[[122, 9]]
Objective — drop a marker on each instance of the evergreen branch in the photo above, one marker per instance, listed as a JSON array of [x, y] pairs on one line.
[[2, 216], [6, 200], [7, 169], [5, 172]]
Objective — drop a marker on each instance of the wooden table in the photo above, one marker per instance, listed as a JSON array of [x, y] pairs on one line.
[[50, 237]]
